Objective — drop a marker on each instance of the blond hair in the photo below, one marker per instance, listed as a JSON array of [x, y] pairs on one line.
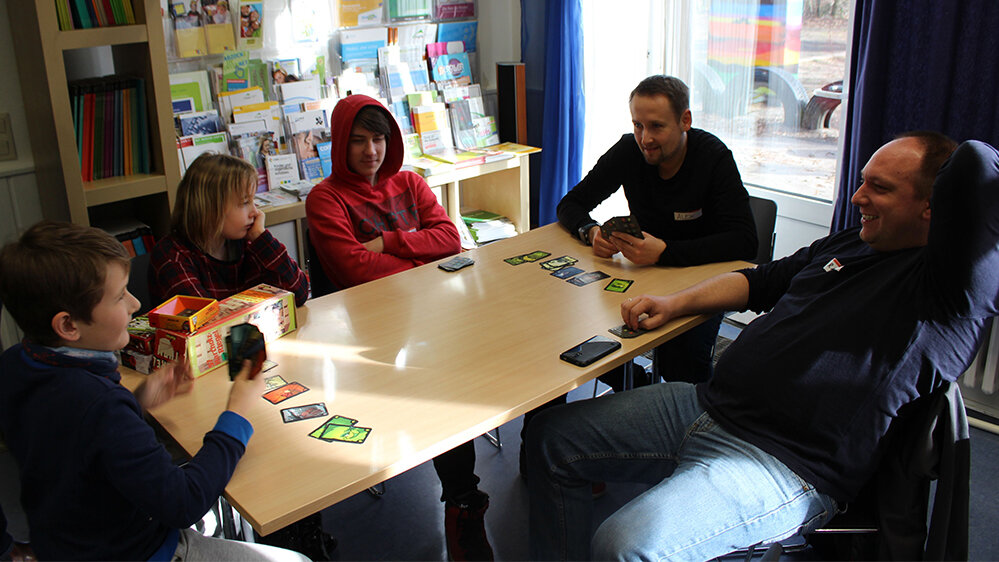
[[212, 182]]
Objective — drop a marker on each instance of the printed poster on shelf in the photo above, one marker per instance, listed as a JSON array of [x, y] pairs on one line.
[[452, 70], [360, 12], [218, 26], [251, 22], [188, 29]]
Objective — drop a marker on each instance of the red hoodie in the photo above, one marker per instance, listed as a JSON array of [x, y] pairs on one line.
[[345, 211]]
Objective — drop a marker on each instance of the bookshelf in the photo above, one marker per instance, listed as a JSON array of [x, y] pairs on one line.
[[138, 50]]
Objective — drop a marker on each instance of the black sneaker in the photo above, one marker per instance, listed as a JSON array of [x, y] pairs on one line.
[[305, 537], [465, 528]]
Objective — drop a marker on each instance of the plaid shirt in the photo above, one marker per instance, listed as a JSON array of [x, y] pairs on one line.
[[178, 268]]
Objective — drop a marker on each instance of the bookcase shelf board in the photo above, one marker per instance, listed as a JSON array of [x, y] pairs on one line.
[[101, 36], [110, 190], [137, 50]]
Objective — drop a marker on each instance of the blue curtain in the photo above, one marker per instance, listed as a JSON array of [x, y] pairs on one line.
[[918, 64], [553, 56]]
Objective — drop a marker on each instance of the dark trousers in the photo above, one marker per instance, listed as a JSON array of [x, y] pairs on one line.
[[456, 470], [685, 358]]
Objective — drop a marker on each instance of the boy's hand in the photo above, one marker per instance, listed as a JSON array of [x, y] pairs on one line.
[[376, 245], [258, 226], [165, 383], [245, 391]]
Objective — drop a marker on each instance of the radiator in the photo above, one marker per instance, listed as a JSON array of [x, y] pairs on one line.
[[980, 383]]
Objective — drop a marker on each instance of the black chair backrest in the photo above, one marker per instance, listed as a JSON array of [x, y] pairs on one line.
[[765, 215], [319, 283], [138, 283]]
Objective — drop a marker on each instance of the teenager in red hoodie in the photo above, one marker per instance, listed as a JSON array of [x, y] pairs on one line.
[[368, 220]]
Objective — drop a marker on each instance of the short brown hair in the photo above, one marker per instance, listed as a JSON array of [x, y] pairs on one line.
[[374, 119], [673, 88], [210, 184], [937, 148], [56, 267]]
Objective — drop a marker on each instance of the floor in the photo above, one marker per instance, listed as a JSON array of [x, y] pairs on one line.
[[407, 521]]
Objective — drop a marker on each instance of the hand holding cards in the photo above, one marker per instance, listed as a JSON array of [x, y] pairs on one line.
[[627, 225], [245, 342]]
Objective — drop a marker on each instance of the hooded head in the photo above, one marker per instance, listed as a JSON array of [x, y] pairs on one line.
[[343, 123]]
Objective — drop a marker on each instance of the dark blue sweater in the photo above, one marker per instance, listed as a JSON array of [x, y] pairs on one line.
[[817, 381], [95, 483]]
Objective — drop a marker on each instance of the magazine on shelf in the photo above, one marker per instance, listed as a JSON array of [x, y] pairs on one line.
[[281, 169], [431, 122], [188, 27], [464, 31], [455, 9], [487, 226], [253, 142], [235, 71], [193, 146], [299, 91], [452, 69], [269, 111], [362, 43], [251, 25], [360, 12], [307, 130], [218, 26], [239, 98], [200, 123], [409, 9], [193, 85]]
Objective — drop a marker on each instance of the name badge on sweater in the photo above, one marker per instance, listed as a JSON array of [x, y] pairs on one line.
[[688, 216], [833, 265]]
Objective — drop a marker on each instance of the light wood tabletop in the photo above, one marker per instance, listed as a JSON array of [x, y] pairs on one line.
[[428, 360]]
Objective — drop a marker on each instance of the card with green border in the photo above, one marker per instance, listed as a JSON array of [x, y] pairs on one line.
[[536, 255], [619, 285], [345, 433]]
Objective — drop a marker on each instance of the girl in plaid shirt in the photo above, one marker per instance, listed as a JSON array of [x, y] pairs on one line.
[[218, 245]]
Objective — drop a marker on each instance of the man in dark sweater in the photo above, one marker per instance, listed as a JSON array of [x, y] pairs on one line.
[[860, 324], [684, 189], [95, 483]]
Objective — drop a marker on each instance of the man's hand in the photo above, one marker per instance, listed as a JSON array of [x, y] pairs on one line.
[[165, 383], [376, 245], [245, 392], [602, 248], [659, 310], [258, 227], [639, 251]]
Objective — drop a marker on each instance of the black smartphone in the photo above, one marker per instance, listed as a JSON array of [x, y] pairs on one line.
[[590, 350], [456, 263]]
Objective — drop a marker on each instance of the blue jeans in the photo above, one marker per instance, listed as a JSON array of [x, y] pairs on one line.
[[711, 492]]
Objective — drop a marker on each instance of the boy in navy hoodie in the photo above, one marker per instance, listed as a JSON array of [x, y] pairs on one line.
[[95, 483]]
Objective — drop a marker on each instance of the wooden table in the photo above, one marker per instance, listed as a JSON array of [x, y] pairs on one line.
[[429, 360]]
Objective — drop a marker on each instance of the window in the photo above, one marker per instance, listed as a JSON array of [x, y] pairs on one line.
[[765, 76]]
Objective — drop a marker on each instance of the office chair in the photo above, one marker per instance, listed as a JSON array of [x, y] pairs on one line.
[[138, 283], [765, 215], [928, 440], [319, 283]]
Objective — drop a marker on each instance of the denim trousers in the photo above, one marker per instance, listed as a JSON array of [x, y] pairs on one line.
[[711, 493]]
